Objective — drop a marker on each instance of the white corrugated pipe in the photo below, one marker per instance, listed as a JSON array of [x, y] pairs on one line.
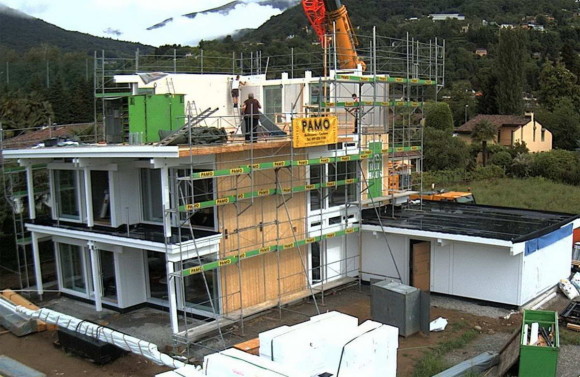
[[105, 334]]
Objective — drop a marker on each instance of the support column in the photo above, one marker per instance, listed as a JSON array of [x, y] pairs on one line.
[[30, 186], [172, 295], [89, 197], [165, 201], [37, 265], [96, 272]]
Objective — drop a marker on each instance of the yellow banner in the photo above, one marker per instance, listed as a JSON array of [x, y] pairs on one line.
[[309, 132]]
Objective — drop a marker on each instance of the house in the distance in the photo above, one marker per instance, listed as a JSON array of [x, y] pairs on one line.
[[446, 16], [512, 129]]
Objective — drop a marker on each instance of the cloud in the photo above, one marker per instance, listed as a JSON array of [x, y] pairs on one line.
[[14, 12], [129, 19]]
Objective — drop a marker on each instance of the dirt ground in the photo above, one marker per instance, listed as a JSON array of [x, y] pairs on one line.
[[38, 352]]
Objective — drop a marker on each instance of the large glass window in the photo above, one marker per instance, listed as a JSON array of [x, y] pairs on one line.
[[151, 197], [66, 193], [341, 171], [195, 191], [315, 178], [338, 195], [72, 267], [272, 99], [196, 293]]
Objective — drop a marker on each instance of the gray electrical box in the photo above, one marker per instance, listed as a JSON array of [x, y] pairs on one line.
[[398, 305]]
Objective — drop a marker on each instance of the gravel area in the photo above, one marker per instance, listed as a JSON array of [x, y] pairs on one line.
[[470, 307]]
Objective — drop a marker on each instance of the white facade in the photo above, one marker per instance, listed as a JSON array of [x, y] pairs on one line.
[[471, 267]]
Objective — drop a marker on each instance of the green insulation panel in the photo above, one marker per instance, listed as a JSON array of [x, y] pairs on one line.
[[148, 114]]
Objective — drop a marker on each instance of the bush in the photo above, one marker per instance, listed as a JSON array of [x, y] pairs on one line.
[[442, 178], [503, 159], [522, 165], [557, 165]]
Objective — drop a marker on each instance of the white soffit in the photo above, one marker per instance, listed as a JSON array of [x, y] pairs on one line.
[[118, 151]]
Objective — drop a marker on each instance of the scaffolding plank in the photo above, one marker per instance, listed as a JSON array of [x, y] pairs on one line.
[[233, 259], [370, 103], [230, 199], [246, 169]]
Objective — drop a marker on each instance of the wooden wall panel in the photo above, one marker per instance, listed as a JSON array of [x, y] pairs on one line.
[[263, 221]]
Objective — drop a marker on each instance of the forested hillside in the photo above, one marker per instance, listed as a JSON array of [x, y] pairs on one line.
[[50, 66]]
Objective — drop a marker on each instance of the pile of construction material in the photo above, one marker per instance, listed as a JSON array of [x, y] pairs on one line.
[[329, 344]]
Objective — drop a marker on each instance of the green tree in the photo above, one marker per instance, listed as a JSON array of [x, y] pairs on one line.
[[461, 102], [564, 124], [510, 63], [557, 165], [483, 132], [556, 83], [442, 151], [19, 114], [438, 116]]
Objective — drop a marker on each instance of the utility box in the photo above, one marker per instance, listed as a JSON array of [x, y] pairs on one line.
[[398, 305], [539, 344]]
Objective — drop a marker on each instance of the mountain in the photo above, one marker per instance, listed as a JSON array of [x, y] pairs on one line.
[[20, 32], [225, 9]]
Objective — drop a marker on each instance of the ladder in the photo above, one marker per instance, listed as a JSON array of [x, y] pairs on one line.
[[190, 123]]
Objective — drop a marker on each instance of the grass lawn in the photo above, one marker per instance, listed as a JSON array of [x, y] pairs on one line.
[[530, 193]]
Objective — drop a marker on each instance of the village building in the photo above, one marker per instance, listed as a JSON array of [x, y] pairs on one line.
[[512, 129]]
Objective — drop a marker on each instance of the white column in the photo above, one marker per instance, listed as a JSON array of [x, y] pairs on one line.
[[172, 296], [37, 264], [88, 197], [96, 272], [30, 186], [165, 200]]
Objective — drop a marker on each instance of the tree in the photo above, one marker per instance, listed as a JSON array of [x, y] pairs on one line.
[[510, 71], [438, 116], [564, 124], [461, 102], [556, 83], [442, 151], [483, 132]]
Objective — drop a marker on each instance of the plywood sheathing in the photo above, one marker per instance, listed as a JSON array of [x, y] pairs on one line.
[[263, 221]]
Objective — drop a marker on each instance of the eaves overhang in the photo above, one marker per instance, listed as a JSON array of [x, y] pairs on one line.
[[174, 249], [115, 151]]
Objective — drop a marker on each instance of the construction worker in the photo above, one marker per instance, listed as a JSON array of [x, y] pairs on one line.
[[251, 110], [236, 83]]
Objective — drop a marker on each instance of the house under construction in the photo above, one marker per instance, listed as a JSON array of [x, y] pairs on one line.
[[173, 208]]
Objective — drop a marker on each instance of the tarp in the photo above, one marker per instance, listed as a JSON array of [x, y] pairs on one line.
[[548, 239]]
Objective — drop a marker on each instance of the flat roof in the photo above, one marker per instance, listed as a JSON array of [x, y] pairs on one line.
[[502, 223]]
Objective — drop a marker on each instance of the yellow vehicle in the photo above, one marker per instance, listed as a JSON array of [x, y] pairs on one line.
[[445, 196]]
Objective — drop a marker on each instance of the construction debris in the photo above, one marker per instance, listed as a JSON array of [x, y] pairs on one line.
[[12, 368]]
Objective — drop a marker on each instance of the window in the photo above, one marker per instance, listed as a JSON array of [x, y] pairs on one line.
[[195, 290], [100, 196], [67, 194], [273, 99], [72, 267], [315, 178], [543, 133], [315, 262], [342, 193], [151, 198], [195, 191]]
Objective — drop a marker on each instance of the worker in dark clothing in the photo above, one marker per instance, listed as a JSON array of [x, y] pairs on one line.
[[354, 111], [251, 110]]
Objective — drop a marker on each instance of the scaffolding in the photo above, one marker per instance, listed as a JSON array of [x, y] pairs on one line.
[[290, 218], [271, 236]]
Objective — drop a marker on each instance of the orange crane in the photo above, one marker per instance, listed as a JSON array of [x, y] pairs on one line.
[[329, 17]]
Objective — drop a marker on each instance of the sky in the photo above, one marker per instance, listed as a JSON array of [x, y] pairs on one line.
[[128, 19]]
